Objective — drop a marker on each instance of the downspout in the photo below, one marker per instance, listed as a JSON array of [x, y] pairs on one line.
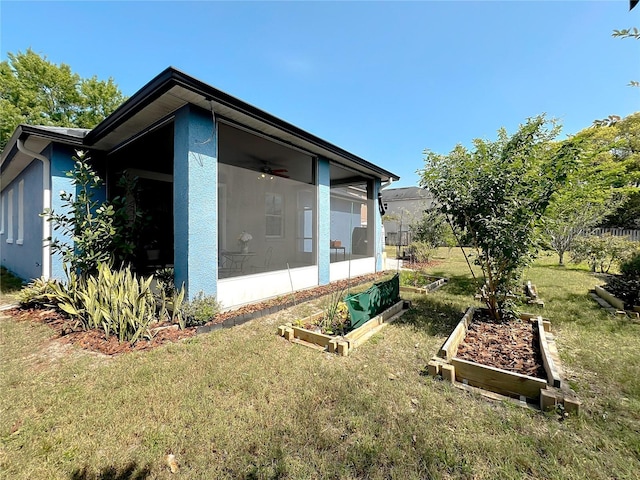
[[46, 204]]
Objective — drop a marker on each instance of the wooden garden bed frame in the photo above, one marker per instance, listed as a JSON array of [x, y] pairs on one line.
[[614, 305], [342, 345], [502, 384], [426, 289]]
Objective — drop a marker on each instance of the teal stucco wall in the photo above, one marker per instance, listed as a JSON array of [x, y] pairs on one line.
[[195, 197], [324, 221]]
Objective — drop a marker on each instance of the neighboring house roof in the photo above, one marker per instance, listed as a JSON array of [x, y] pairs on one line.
[[172, 89], [405, 193]]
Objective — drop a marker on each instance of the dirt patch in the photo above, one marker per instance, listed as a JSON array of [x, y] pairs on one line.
[[512, 346]]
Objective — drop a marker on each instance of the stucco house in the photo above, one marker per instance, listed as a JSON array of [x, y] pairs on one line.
[[210, 168]]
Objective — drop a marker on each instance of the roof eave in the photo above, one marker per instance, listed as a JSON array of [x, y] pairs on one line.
[[171, 77]]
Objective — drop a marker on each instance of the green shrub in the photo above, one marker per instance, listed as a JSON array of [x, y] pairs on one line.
[[165, 280], [116, 301], [199, 310], [413, 278], [631, 267], [602, 252], [421, 252], [38, 292]]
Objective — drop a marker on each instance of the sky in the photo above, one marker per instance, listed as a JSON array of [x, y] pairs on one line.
[[383, 80]]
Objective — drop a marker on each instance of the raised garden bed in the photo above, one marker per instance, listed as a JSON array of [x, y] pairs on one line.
[[419, 283], [496, 373], [340, 344], [609, 298], [615, 305]]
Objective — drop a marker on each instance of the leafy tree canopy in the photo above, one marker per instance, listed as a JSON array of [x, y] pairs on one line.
[[497, 193], [615, 161], [601, 184], [38, 92]]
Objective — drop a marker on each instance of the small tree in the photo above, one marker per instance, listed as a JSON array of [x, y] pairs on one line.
[[496, 194], [93, 232], [601, 252]]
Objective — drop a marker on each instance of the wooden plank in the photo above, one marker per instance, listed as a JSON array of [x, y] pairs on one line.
[[373, 331], [613, 301], [549, 367], [374, 322], [424, 290], [408, 289], [448, 373], [548, 399], [312, 337], [433, 368], [450, 347], [497, 380]]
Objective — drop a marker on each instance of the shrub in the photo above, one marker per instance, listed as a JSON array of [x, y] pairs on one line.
[[165, 280], [496, 194], [199, 310], [116, 301], [414, 279], [631, 267], [38, 292], [602, 252], [421, 252], [9, 282]]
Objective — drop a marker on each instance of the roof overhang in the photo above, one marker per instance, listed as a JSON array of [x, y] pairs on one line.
[[154, 104], [173, 89], [35, 139]]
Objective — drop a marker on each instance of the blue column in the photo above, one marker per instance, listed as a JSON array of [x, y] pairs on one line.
[[195, 201], [61, 163], [324, 221], [376, 220]]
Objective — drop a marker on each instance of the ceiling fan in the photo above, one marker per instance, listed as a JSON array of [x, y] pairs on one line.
[[267, 170]]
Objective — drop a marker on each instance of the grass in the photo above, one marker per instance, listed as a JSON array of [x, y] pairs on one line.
[[244, 403], [9, 286]]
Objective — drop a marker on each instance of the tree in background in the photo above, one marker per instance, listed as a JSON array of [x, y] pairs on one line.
[[601, 187], [497, 194], [38, 92]]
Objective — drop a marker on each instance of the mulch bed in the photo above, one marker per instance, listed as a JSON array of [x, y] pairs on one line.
[[511, 346], [95, 340]]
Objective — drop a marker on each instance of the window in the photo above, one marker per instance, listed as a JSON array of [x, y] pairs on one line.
[[20, 239], [10, 216], [274, 217]]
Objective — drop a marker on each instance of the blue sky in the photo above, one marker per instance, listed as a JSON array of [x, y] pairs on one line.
[[384, 80]]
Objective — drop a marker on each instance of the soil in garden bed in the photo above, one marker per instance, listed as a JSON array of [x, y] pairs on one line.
[[513, 346]]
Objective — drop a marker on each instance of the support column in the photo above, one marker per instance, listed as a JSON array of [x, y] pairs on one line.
[[324, 221], [374, 222], [195, 201]]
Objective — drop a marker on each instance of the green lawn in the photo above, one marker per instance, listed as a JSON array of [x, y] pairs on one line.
[[244, 403]]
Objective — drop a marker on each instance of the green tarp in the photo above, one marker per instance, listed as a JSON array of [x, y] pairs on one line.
[[366, 305]]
